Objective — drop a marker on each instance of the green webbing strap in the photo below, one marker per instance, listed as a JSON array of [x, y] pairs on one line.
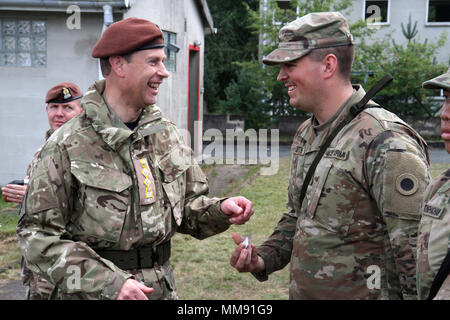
[[354, 111]]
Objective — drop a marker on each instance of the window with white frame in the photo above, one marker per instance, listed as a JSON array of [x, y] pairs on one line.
[[438, 11], [23, 43], [171, 54], [376, 11]]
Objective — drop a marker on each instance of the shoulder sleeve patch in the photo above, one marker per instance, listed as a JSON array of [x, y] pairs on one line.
[[405, 180]]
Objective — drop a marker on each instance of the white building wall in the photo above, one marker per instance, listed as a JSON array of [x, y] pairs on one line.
[[23, 120], [399, 13]]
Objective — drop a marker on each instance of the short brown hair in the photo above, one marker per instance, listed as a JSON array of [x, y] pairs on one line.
[[344, 54], [105, 66]]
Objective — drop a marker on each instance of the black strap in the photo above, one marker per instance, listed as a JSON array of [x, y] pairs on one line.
[[141, 258], [354, 111], [442, 274]]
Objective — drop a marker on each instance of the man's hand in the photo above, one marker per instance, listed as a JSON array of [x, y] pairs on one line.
[[14, 193], [239, 208], [134, 290], [239, 259]]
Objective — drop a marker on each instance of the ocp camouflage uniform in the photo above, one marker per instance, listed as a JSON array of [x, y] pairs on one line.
[[434, 229], [354, 236], [434, 235], [99, 187]]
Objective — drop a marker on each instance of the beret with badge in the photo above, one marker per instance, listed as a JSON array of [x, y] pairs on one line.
[[63, 92], [313, 31], [127, 36]]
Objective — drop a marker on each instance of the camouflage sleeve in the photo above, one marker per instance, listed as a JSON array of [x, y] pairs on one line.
[[72, 267], [202, 215], [397, 173], [276, 251]]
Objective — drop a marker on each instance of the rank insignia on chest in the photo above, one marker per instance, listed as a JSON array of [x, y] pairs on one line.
[[145, 181], [335, 153], [432, 211]]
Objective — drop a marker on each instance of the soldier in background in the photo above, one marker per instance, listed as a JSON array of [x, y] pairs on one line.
[[112, 188], [434, 229], [354, 234], [63, 103]]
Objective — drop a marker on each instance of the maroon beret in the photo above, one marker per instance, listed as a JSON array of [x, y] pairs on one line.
[[127, 36], [63, 92]]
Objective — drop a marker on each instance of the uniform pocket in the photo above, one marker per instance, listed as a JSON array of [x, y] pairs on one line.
[[102, 201], [173, 166], [330, 198]]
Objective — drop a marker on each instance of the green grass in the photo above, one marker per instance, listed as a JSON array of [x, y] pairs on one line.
[[437, 168], [202, 268]]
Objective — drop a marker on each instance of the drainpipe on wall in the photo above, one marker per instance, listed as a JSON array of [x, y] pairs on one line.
[[108, 19]]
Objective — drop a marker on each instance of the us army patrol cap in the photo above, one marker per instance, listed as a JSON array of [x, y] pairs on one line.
[[313, 31], [440, 82], [63, 92], [126, 36]]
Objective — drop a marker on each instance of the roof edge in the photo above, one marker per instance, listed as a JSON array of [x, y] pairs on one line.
[[207, 17]]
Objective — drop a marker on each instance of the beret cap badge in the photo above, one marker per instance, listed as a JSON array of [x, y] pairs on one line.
[[66, 93]]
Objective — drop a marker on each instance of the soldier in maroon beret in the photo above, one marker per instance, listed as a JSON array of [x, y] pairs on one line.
[[117, 183], [63, 103]]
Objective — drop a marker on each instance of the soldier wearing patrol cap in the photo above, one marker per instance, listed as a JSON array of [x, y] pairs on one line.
[[351, 228], [63, 103], [433, 280], [113, 186]]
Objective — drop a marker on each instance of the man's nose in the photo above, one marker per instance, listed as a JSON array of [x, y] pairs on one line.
[[445, 113], [282, 74], [60, 112], [162, 72]]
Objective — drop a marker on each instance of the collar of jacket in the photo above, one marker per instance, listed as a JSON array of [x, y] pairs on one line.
[[105, 121], [340, 115], [48, 134]]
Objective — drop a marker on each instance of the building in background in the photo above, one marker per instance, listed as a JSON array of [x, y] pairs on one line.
[[432, 16], [45, 42]]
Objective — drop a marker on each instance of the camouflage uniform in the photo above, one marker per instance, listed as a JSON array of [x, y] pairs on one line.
[[100, 186], [354, 235], [359, 217], [434, 235], [434, 229], [37, 287]]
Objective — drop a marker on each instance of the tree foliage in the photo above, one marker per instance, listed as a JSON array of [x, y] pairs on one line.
[[234, 42], [246, 86], [410, 63]]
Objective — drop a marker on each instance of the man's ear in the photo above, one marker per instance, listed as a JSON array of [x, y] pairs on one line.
[[118, 65], [329, 66]]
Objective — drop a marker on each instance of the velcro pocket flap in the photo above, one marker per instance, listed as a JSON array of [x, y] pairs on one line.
[[98, 176], [177, 161]]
